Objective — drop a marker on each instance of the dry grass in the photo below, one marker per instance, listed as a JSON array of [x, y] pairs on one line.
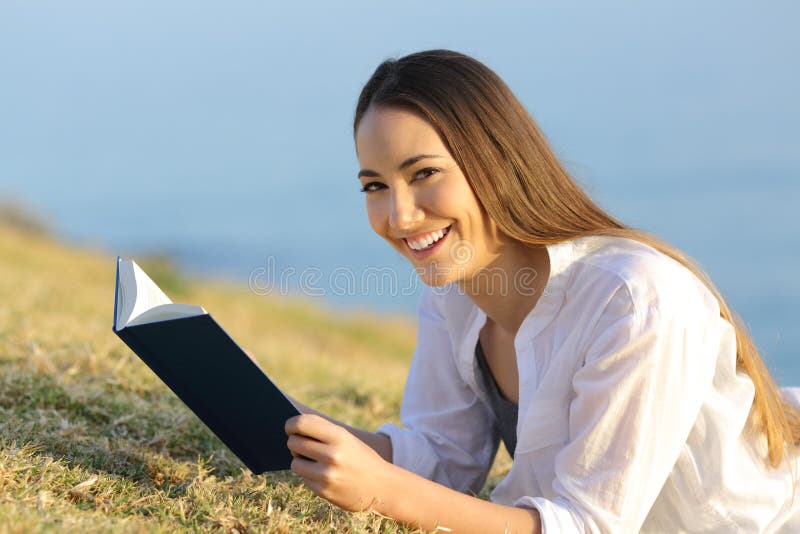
[[92, 441]]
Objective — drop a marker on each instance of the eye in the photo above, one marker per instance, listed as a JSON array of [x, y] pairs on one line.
[[425, 173], [372, 187]]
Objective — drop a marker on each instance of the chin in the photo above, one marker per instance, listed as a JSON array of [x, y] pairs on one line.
[[435, 283], [434, 275]]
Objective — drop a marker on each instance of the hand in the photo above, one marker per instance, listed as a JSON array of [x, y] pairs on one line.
[[335, 464]]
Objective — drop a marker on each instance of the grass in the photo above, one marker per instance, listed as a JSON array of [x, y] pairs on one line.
[[92, 441]]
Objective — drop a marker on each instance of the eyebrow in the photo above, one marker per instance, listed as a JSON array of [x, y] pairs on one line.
[[366, 173]]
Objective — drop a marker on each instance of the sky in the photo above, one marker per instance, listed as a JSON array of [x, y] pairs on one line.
[[220, 133]]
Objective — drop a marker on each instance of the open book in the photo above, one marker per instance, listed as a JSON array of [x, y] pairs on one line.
[[139, 300], [205, 368]]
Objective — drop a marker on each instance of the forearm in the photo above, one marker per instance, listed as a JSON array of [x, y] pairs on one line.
[[419, 502], [340, 465]]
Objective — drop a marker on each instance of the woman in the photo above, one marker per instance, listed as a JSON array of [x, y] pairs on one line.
[[624, 387]]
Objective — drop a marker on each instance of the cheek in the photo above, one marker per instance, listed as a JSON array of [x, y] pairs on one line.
[[441, 199], [453, 198]]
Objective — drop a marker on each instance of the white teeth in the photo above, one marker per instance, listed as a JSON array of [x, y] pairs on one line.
[[426, 241]]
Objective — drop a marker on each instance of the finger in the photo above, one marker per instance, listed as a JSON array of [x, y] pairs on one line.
[[319, 487], [307, 469], [315, 486], [313, 426], [309, 448]]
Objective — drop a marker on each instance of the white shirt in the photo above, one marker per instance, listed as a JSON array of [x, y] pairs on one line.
[[632, 415]]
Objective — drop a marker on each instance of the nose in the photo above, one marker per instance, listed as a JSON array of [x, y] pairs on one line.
[[405, 213]]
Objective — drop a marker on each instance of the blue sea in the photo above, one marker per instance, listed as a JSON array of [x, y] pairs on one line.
[[221, 136]]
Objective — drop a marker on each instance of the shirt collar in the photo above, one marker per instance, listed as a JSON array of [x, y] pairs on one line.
[[546, 308], [548, 305], [561, 256]]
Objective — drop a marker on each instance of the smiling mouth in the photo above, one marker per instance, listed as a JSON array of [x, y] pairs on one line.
[[429, 242]]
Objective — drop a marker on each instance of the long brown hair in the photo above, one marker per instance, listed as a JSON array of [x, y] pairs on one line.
[[527, 192]]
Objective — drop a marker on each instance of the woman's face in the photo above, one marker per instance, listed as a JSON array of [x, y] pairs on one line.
[[419, 200]]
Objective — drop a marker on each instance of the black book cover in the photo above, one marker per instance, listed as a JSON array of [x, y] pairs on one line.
[[219, 382]]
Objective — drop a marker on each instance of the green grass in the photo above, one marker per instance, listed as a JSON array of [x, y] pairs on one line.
[[92, 441]]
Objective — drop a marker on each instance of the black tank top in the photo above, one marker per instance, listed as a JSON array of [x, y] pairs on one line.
[[505, 411]]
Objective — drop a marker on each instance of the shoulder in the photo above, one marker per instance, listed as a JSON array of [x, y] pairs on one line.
[[644, 298], [633, 275]]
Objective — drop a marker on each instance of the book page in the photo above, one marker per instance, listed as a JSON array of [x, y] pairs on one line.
[[148, 294], [165, 312], [137, 294]]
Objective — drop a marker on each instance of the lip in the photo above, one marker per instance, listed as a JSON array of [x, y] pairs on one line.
[[422, 254]]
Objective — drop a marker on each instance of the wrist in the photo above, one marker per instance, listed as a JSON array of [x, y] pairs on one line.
[[389, 495]]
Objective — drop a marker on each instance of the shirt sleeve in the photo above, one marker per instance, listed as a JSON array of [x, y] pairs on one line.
[[448, 434], [646, 374]]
